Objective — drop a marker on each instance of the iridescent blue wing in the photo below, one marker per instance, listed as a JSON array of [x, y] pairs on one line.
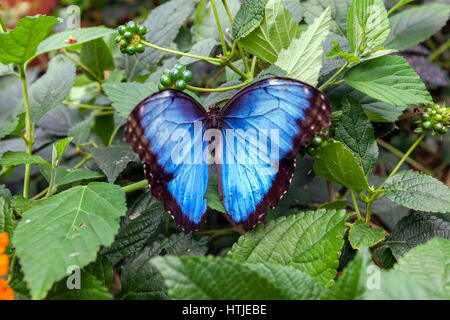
[[294, 110], [166, 131]]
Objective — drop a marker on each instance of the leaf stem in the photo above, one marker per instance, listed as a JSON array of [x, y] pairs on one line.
[[368, 209], [28, 129], [86, 106], [227, 9], [403, 159], [237, 70], [439, 51], [214, 61], [243, 84], [400, 154], [81, 65], [401, 3], [52, 182], [12, 266], [219, 27], [355, 205], [335, 77], [135, 186]]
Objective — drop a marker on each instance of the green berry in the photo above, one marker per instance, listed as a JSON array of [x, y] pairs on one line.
[[141, 30], [175, 73], [437, 117], [123, 49], [429, 110], [166, 71], [128, 35], [130, 50], [311, 151], [433, 111], [179, 66], [123, 43], [425, 116], [317, 141], [165, 80], [161, 86], [140, 48], [187, 76], [132, 26], [122, 29], [117, 39], [427, 125], [438, 127], [180, 85], [443, 130]]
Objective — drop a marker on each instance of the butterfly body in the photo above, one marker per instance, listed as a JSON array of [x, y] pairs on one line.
[[256, 138]]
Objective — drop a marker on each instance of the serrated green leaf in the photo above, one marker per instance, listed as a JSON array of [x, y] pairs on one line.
[[81, 131], [91, 288], [336, 163], [362, 235], [367, 26], [356, 132], [352, 284], [13, 126], [20, 44], [302, 60], [66, 229], [7, 220], [416, 229], [218, 278], [15, 158], [96, 55], [248, 18], [141, 279], [202, 48], [126, 95], [137, 229], [102, 269], [276, 31], [113, 159], [83, 35], [389, 79], [58, 150], [413, 26], [339, 12], [64, 176], [418, 191], [52, 88], [282, 241]]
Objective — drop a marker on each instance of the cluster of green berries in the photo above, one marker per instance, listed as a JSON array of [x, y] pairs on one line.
[[129, 38], [319, 140], [177, 77], [435, 119]]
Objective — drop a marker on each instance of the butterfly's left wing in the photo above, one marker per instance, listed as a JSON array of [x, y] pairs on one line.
[[255, 171], [166, 131]]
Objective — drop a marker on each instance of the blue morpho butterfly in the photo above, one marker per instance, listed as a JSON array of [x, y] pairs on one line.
[[266, 123]]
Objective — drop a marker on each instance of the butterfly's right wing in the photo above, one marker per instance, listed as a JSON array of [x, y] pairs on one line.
[[166, 131]]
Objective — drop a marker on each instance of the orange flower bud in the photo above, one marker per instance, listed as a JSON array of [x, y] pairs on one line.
[[2, 249], [4, 262], [3, 270], [3, 284], [4, 239]]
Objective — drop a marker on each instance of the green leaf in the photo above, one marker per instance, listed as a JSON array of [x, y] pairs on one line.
[[83, 35], [352, 284], [90, 289], [7, 220], [416, 229], [126, 95], [66, 229], [64, 176], [52, 88], [113, 159], [362, 235], [356, 131], [276, 31], [20, 44], [422, 274], [339, 12], [15, 158], [336, 163], [282, 241], [201, 278], [413, 26], [102, 269], [141, 279], [97, 57], [389, 79], [248, 18], [338, 51], [212, 195], [58, 150], [81, 131], [202, 48], [13, 126], [161, 33], [137, 229], [367, 26], [302, 60], [418, 191]]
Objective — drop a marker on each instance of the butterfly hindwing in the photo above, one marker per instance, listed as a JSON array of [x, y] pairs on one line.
[[166, 131], [293, 109]]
